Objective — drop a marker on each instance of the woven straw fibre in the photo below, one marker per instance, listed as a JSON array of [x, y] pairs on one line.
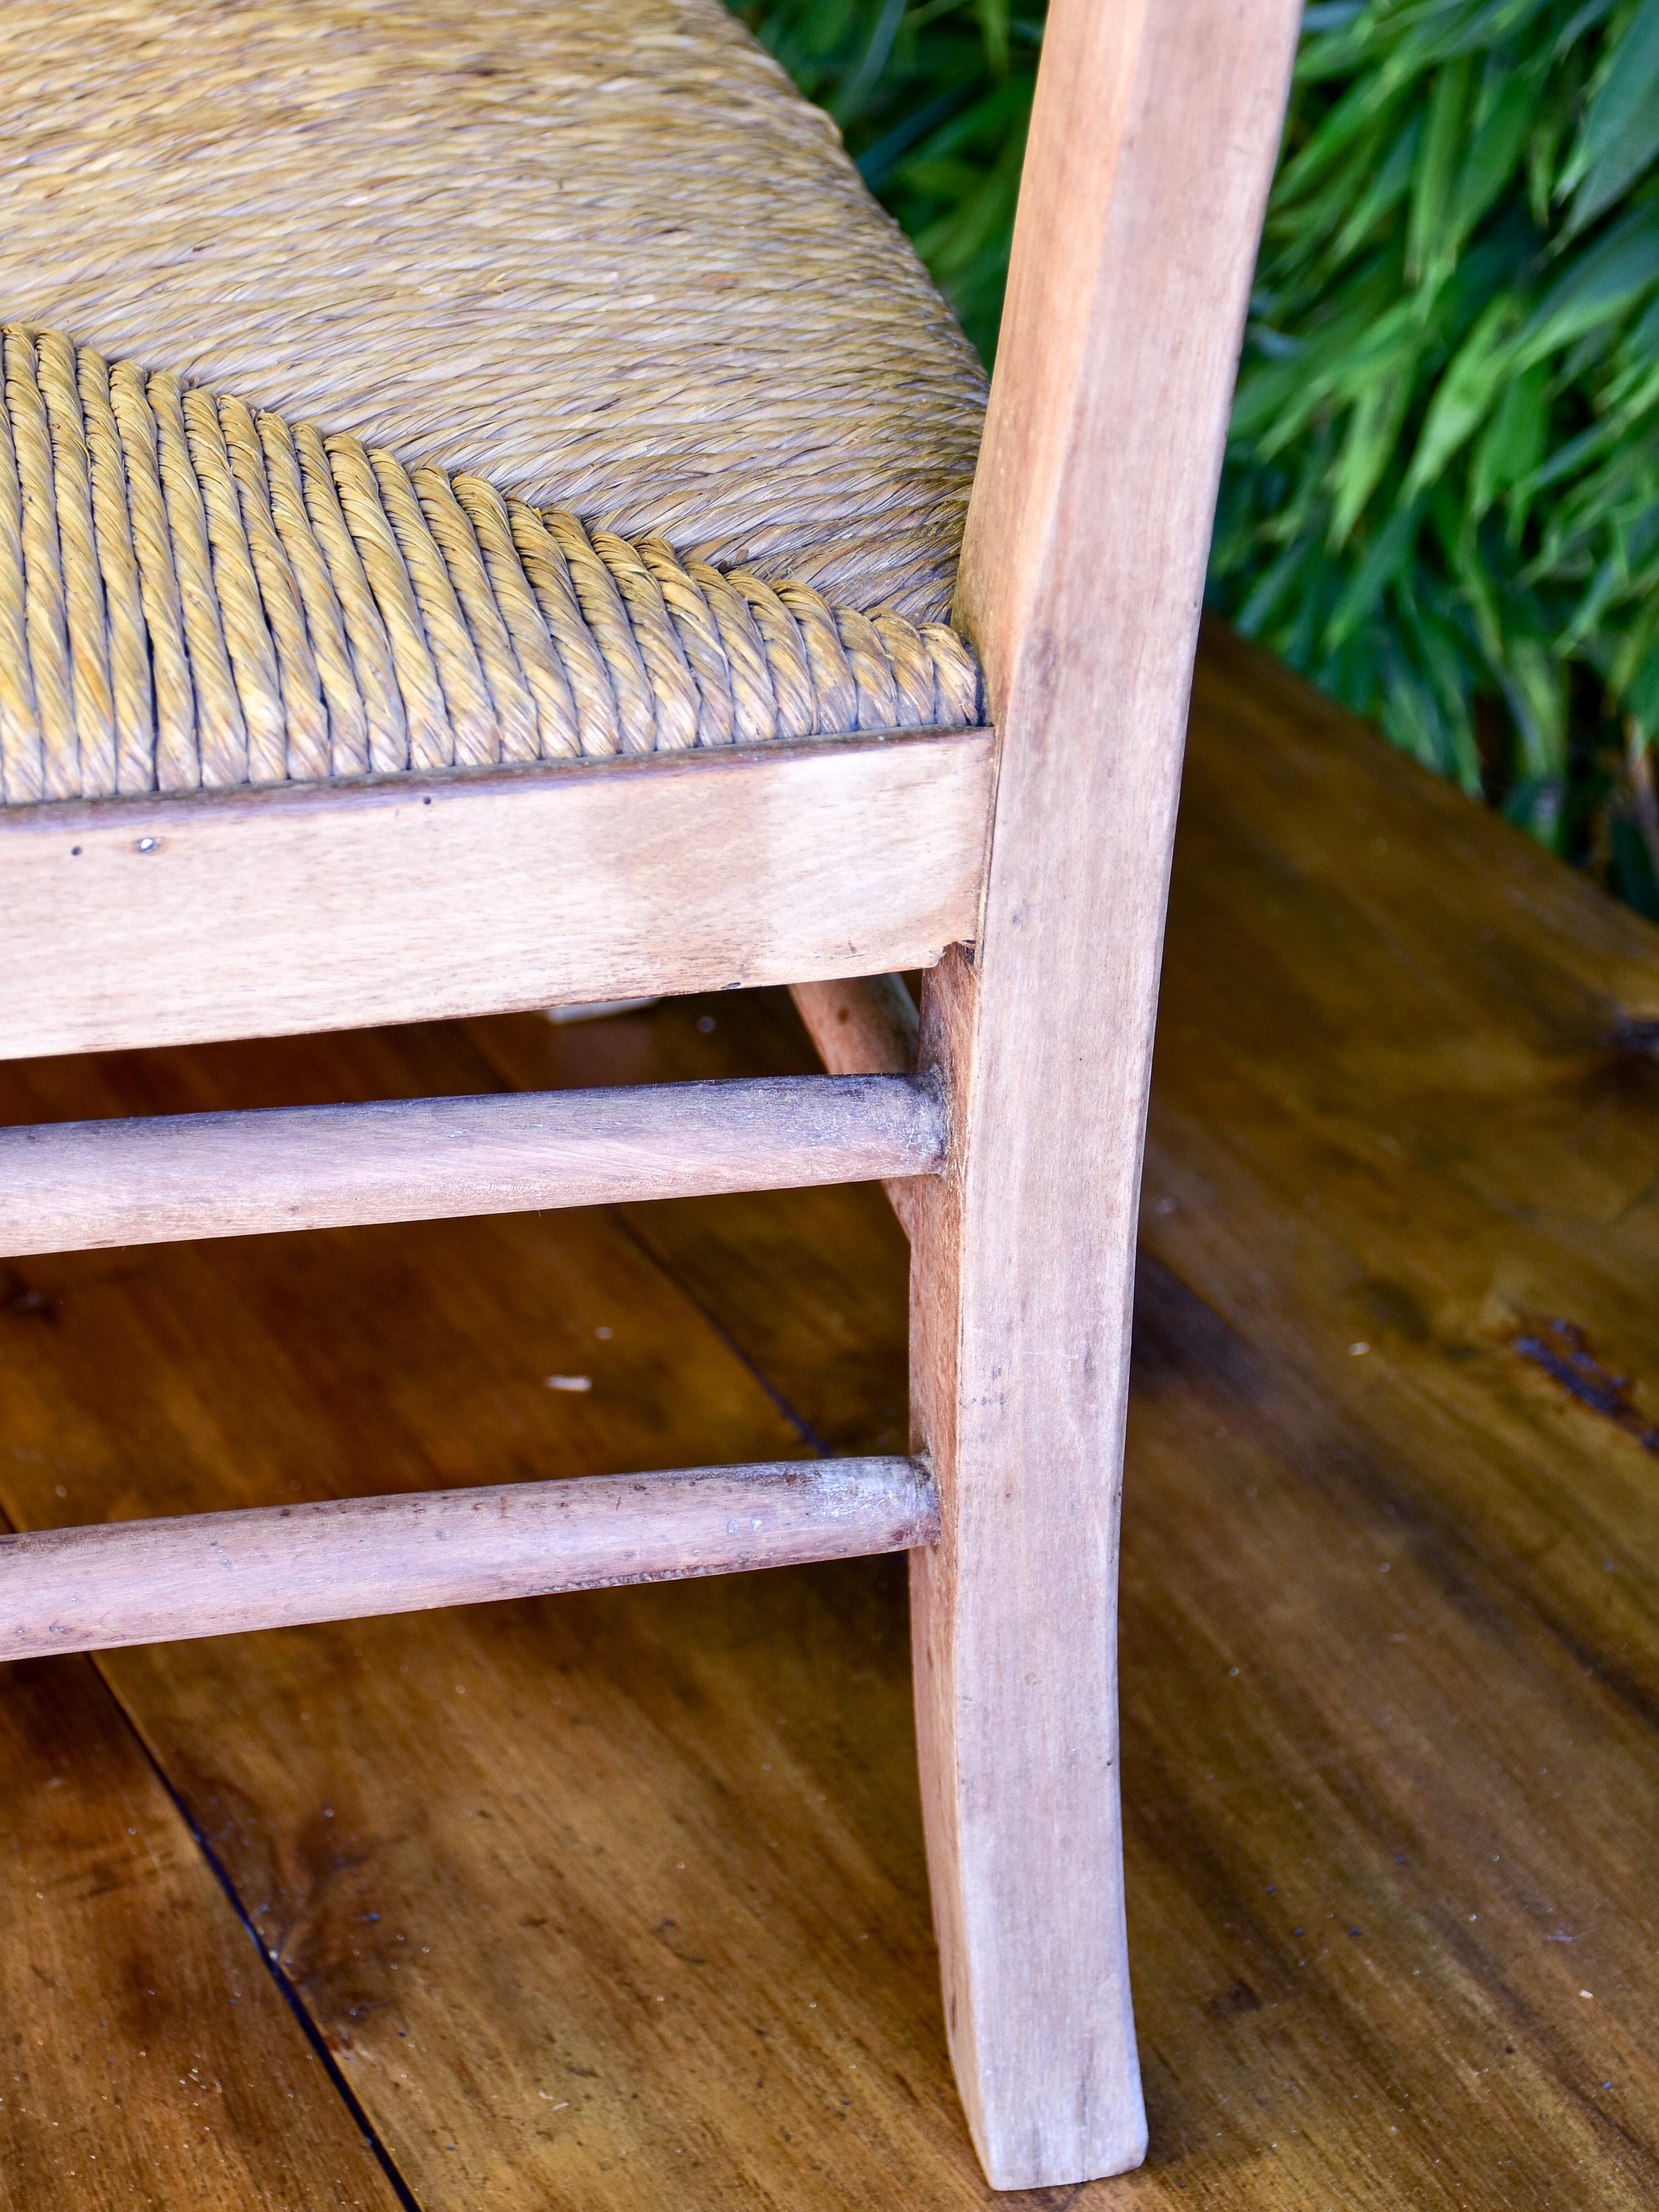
[[597, 252], [194, 595]]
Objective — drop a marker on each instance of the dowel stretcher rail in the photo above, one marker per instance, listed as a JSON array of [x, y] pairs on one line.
[[71, 1186], [865, 1025], [218, 1574]]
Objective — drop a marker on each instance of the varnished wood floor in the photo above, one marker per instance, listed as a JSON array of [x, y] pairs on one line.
[[619, 1901]]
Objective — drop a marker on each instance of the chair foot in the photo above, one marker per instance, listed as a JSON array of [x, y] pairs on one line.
[[1021, 1799]]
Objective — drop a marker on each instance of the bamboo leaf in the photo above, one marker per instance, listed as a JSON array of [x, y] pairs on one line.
[[1372, 440], [1390, 182], [1385, 563], [1619, 139], [1430, 237], [1467, 392], [995, 27], [1599, 285], [1512, 445], [1498, 144]]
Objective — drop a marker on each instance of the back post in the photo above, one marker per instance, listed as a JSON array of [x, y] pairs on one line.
[[1153, 137]]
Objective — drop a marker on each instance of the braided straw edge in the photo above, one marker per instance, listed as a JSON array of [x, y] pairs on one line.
[[196, 595]]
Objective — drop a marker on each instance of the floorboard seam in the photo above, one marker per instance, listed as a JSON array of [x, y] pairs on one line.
[[290, 1996], [798, 1422]]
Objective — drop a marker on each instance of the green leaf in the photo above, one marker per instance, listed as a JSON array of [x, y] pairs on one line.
[[1497, 146], [1619, 138], [1386, 560], [1636, 654], [1465, 394], [1373, 437], [1513, 443], [1535, 682], [1543, 150], [1644, 696], [1599, 285], [1389, 183], [1357, 112], [851, 94], [1430, 239], [993, 24]]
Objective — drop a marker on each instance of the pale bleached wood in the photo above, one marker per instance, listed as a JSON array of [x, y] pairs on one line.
[[173, 920], [218, 1574], [863, 1025], [69, 1186], [1152, 141]]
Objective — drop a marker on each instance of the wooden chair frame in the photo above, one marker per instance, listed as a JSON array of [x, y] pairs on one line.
[[1009, 1131]]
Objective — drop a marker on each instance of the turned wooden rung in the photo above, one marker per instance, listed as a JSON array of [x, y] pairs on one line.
[[865, 1025], [218, 1574], [70, 1185]]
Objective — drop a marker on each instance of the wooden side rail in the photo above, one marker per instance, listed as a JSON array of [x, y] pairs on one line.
[[69, 1186], [218, 1574], [172, 920]]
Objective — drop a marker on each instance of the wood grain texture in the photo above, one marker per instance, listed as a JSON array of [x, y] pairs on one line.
[[1153, 135], [865, 1025], [1390, 1105], [1392, 1111], [164, 920], [524, 2056], [73, 1186], [276, 1566], [148, 2061], [833, 1335], [862, 1024]]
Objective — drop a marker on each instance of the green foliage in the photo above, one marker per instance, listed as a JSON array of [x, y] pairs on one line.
[[1442, 491], [1441, 497], [932, 100]]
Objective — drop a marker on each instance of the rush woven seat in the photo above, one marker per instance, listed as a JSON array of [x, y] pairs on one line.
[[193, 596], [399, 294]]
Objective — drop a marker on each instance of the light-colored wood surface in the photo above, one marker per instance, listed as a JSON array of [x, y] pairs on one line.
[[863, 1025], [1389, 1107], [276, 1566], [1153, 134], [67, 1187], [159, 922]]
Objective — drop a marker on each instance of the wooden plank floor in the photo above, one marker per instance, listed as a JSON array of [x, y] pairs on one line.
[[618, 1900]]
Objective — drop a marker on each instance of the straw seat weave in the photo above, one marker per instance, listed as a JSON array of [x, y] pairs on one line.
[[368, 301]]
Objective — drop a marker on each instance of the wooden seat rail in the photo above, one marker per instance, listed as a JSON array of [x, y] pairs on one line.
[[178, 920]]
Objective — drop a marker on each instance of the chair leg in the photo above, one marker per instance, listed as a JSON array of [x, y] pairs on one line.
[[1153, 132], [1019, 1345]]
